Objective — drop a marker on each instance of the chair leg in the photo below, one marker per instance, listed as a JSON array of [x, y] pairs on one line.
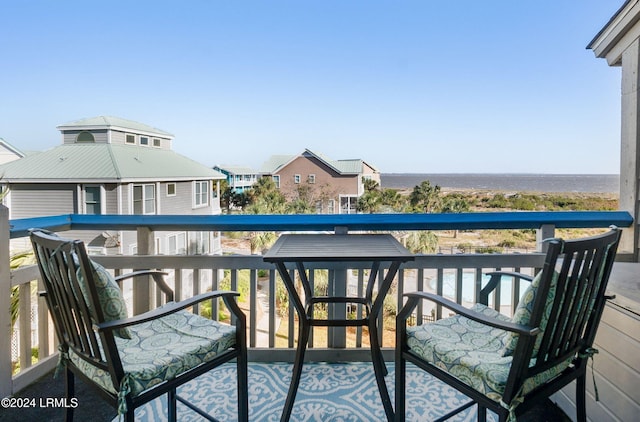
[[482, 413], [129, 416], [380, 369], [171, 405], [243, 386], [581, 408], [401, 374], [303, 338], [70, 392], [374, 340]]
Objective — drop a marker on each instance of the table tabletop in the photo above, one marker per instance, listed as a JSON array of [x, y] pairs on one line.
[[337, 247]]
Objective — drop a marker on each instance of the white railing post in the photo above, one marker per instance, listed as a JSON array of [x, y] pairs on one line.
[[141, 286], [6, 382], [546, 231]]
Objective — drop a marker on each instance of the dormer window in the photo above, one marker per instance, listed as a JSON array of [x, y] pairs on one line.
[[84, 137]]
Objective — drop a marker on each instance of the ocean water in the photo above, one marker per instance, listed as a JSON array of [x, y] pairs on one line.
[[586, 183]]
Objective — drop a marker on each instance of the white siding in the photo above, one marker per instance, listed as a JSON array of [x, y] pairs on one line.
[[111, 198], [182, 202], [118, 137], [42, 200]]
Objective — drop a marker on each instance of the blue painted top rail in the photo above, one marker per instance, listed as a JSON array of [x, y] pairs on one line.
[[325, 222]]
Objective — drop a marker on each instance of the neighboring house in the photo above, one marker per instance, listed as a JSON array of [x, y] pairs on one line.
[[109, 165], [8, 152], [333, 186], [239, 179]]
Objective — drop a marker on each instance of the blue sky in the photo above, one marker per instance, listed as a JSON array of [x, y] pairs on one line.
[[422, 86]]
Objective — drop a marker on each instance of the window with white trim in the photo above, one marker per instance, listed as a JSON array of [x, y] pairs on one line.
[[92, 200], [144, 140], [296, 178], [276, 180], [348, 204], [144, 199], [177, 244], [198, 243], [156, 142], [331, 206], [171, 189], [130, 139], [200, 193], [312, 179]]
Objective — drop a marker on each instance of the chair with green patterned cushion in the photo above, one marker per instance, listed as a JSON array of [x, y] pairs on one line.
[[132, 360], [508, 365]]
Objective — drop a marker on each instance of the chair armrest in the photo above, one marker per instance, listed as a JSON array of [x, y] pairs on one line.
[[158, 278], [496, 277], [415, 297], [173, 307]]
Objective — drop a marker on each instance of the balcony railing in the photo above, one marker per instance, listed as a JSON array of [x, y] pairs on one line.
[[271, 334]]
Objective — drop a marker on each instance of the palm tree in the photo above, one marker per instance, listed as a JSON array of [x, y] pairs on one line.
[[260, 241], [455, 204], [422, 242], [425, 197]]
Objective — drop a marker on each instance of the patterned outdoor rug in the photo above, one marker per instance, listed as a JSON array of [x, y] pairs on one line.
[[328, 392]]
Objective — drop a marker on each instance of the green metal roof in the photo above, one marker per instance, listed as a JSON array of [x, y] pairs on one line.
[[237, 169], [348, 166], [115, 123], [275, 162], [105, 162]]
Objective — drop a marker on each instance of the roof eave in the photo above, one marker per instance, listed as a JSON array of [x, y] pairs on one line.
[[606, 43], [109, 180], [164, 135]]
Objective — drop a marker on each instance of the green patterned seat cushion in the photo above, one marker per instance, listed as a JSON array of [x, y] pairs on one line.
[[109, 295], [471, 351], [162, 349], [522, 314]]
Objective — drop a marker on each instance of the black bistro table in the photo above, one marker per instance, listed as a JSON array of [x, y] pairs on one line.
[[299, 249]]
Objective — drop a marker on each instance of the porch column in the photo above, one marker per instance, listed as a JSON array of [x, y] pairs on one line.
[[630, 145], [5, 304]]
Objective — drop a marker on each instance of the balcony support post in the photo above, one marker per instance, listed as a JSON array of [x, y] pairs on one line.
[[630, 146], [338, 287], [6, 382], [546, 231], [142, 285]]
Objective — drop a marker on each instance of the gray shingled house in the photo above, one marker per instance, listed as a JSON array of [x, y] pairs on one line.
[[109, 165]]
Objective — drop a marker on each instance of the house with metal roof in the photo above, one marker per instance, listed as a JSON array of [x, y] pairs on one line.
[[240, 179], [110, 165], [333, 185]]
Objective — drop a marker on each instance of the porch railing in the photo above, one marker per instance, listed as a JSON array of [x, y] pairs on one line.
[[271, 335]]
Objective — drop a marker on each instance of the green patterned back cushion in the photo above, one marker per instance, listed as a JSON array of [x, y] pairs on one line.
[[109, 295], [522, 315]]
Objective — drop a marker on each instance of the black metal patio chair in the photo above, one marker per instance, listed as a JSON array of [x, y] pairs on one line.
[[131, 361], [509, 365]]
